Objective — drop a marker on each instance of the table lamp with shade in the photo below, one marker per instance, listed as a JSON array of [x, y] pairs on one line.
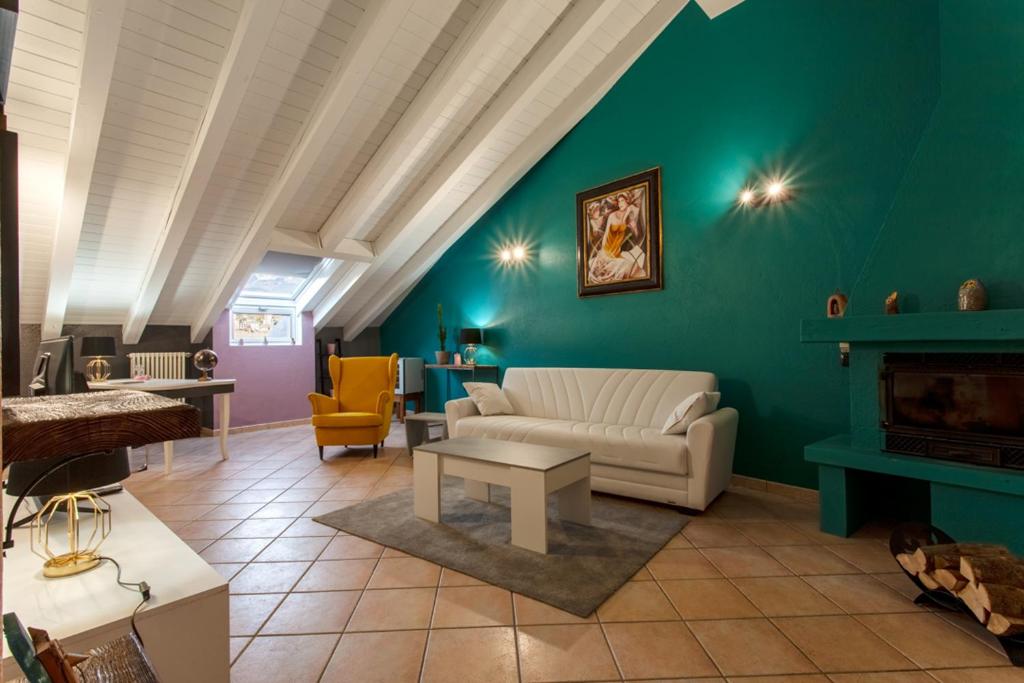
[[470, 336], [98, 349]]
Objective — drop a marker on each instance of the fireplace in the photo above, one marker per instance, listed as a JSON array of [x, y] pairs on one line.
[[967, 407]]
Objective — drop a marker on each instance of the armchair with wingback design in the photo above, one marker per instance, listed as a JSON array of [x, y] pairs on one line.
[[358, 411]]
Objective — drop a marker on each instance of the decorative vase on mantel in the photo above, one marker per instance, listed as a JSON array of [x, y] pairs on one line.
[[442, 357], [972, 296]]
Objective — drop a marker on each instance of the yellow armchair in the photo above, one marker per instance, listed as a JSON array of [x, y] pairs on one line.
[[358, 411]]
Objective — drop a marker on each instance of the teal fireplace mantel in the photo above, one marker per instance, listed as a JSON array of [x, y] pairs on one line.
[[858, 479], [952, 326], [966, 501]]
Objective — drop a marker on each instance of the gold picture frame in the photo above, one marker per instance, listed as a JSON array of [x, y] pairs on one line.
[[619, 236]]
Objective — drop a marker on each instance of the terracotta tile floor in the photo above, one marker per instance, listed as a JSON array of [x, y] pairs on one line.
[[750, 589]]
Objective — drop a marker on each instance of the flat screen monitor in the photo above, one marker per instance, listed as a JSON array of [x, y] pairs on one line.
[[54, 370]]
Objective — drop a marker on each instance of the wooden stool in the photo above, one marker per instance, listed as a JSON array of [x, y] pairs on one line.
[[416, 397]]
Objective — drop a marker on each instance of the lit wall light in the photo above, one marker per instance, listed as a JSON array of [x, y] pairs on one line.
[[771, 191], [775, 190], [512, 254]]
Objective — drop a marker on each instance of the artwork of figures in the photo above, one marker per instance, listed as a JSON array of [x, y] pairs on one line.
[[618, 238]]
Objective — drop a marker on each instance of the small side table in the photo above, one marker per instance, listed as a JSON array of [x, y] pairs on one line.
[[417, 428], [400, 400], [471, 368]]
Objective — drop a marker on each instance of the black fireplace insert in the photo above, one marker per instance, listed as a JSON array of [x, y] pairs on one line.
[[967, 407]]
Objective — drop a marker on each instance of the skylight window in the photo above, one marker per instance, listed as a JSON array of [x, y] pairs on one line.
[[280, 277]]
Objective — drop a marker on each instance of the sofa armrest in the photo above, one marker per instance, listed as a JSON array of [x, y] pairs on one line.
[[711, 441], [456, 410], [323, 404]]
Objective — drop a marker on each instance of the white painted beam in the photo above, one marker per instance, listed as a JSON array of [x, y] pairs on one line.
[[99, 50], [571, 32], [381, 176], [713, 8], [560, 122], [346, 282], [255, 25], [309, 244], [362, 52]]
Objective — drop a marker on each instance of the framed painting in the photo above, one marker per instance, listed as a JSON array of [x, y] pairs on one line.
[[618, 236]]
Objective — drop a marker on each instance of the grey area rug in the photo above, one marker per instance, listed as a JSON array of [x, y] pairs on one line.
[[584, 564]]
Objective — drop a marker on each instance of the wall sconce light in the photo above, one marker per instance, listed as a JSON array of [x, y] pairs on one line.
[[512, 254], [772, 191], [776, 191]]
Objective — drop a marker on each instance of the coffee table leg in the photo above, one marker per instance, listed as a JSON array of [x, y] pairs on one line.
[[478, 490], [168, 457], [529, 510], [426, 477], [414, 433], [574, 502]]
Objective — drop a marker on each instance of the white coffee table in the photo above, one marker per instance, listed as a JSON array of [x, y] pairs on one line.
[[530, 471]]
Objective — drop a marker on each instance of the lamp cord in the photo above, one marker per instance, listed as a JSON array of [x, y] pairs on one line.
[[140, 587]]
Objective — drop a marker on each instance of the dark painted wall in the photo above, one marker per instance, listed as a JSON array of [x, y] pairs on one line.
[[833, 93], [366, 344]]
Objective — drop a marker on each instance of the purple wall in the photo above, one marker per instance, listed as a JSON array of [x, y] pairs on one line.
[[272, 380]]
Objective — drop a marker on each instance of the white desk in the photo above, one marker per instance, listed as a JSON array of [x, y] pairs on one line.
[[182, 388], [184, 625]]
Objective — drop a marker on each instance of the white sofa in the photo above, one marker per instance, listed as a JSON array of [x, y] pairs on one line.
[[617, 415]]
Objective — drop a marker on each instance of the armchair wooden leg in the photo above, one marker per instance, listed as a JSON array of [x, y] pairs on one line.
[[375, 450], [321, 449]]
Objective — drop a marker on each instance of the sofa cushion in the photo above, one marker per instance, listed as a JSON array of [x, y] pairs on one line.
[[693, 407], [644, 398], [643, 448], [347, 420], [488, 398]]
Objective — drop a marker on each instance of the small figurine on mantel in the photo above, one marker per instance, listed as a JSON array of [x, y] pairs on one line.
[[836, 306], [972, 296], [892, 303]]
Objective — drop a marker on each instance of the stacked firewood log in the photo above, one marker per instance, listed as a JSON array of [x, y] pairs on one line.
[[987, 578]]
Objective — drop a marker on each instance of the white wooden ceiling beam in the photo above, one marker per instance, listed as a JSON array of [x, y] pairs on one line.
[[253, 31], [560, 122], [309, 244], [362, 52], [346, 282], [713, 8], [571, 32], [99, 50], [382, 175]]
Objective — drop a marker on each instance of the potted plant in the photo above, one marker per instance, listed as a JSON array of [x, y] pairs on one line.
[[442, 334]]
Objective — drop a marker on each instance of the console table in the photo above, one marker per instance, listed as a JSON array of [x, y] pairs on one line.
[[465, 367], [184, 625], [181, 388]]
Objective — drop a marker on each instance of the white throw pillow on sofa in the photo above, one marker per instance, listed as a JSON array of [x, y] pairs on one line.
[[692, 408], [488, 398]]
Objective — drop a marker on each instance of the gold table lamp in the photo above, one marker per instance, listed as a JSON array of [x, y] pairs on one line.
[[79, 556], [98, 349]]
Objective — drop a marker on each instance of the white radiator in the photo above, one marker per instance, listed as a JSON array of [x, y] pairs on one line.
[[162, 365]]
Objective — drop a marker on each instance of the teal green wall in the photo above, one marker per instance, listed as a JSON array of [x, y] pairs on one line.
[[959, 212], [832, 92]]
